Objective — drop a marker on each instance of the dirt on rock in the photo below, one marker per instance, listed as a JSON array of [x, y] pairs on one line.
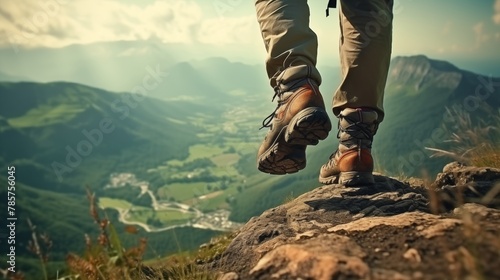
[[384, 231]]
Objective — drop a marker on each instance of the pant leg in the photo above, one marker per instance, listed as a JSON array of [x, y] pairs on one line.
[[365, 52], [290, 44]]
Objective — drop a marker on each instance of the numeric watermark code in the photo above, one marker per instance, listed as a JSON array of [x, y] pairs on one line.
[[11, 218]]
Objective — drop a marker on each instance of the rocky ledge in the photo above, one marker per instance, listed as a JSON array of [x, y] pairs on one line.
[[446, 229]]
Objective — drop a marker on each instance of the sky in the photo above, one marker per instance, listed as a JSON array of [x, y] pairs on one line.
[[446, 29]]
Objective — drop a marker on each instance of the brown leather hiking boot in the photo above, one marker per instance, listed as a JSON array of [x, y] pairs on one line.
[[299, 120], [352, 163]]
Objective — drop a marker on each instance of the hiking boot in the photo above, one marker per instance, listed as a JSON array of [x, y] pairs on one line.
[[299, 120], [352, 163]]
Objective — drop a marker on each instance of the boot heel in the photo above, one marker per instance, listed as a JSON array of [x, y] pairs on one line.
[[308, 127], [354, 178]]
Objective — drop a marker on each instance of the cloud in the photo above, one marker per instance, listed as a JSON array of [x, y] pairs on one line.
[[57, 23], [496, 12], [481, 39], [447, 28], [482, 36], [220, 31]]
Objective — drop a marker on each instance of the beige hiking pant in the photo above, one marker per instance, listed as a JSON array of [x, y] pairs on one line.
[[365, 48]]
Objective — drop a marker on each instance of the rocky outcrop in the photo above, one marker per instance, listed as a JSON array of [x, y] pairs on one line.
[[384, 231]]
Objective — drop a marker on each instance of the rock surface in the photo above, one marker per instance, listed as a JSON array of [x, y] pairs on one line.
[[384, 231]]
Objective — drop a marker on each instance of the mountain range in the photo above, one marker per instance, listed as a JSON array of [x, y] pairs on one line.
[[63, 136], [115, 66], [121, 65], [425, 99]]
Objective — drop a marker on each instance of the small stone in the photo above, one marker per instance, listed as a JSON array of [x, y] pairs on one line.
[[418, 275], [377, 250], [230, 276], [306, 235], [450, 167], [358, 216], [470, 208], [386, 254], [412, 255]]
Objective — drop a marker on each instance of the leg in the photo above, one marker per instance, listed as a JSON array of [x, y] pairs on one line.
[[300, 118], [290, 44], [365, 50]]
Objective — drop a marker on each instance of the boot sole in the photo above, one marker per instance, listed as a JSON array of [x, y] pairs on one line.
[[351, 178], [287, 155]]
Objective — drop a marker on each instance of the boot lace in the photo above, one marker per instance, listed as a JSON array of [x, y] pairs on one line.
[[268, 120], [278, 92], [358, 129]]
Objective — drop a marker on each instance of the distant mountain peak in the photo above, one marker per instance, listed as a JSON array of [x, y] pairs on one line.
[[422, 60], [419, 71]]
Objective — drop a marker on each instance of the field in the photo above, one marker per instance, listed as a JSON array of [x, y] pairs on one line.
[[149, 217], [182, 191], [47, 115], [162, 218], [106, 202], [200, 151]]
